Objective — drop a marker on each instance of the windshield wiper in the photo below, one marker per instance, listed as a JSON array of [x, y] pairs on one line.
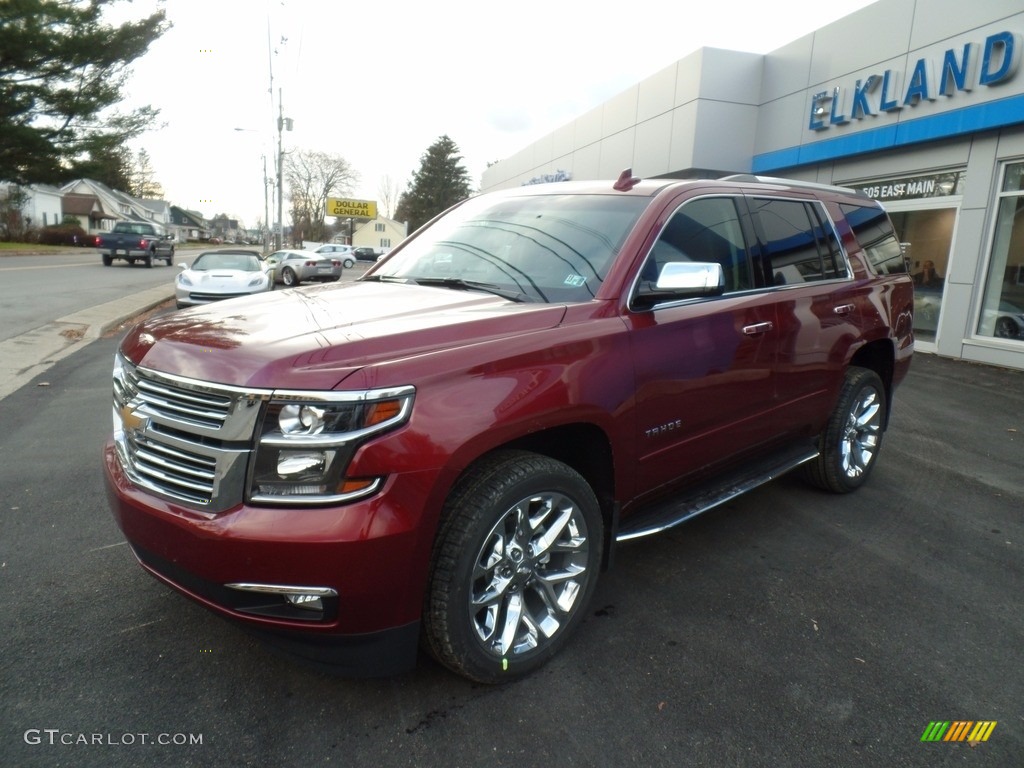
[[458, 283]]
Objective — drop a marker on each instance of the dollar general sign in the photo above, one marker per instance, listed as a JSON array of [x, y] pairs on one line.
[[360, 209]]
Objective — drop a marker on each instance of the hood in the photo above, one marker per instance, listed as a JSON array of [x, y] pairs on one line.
[[313, 337]]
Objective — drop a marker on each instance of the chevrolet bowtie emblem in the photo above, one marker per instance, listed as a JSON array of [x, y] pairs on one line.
[[132, 420]]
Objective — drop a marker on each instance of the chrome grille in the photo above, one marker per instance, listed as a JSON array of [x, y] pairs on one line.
[[202, 408], [184, 439], [185, 473]]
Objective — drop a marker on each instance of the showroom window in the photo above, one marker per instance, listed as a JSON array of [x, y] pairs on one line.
[[1002, 310]]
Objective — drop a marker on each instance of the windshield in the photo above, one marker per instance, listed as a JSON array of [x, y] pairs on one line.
[[240, 261], [551, 248]]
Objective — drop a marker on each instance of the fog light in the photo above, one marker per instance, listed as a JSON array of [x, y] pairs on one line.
[[306, 602]]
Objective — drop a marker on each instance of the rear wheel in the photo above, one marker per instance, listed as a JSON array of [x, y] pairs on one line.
[[170, 258], [107, 259], [349, 263], [148, 260], [514, 566], [851, 441], [289, 278]]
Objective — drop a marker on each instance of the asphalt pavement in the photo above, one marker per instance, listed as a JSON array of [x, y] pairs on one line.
[[788, 628]]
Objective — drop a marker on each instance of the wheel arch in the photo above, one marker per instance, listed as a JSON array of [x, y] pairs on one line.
[[879, 356], [583, 446]]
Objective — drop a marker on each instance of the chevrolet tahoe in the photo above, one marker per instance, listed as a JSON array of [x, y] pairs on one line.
[[445, 452]]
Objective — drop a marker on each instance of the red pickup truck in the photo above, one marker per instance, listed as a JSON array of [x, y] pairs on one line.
[[446, 451], [136, 241]]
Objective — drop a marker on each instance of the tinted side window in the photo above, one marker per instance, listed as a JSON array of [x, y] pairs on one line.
[[799, 244], [876, 236], [704, 230]]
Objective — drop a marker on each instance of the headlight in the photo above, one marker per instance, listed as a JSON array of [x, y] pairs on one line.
[[258, 280], [307, 440], [183, 280]]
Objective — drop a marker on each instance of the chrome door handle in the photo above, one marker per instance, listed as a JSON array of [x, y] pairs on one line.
[[757, 329], [844, 309]]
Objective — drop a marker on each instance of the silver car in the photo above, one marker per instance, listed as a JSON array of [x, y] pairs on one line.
[[294, 267], [343, 252], [216, 275]]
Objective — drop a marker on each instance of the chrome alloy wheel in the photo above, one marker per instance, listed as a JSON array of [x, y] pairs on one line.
[[528, 574], [862, 433]]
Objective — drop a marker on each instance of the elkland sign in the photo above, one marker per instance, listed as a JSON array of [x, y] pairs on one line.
[[959, 70]]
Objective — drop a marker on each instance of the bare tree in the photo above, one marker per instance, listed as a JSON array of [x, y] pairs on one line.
[[388, 192], [144, 183], [312, 178]]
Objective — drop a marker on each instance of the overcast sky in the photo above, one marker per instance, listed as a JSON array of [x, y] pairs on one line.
[[378, 82]]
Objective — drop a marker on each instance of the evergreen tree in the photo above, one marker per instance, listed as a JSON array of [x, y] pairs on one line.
[[441, 181], [61, 70]]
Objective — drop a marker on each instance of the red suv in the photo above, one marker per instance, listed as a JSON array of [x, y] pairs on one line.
[[447, 450]]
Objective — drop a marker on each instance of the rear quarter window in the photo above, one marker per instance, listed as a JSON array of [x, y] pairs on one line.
[[875, 234]]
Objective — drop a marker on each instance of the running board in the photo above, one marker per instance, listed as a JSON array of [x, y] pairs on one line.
[[710, 494]]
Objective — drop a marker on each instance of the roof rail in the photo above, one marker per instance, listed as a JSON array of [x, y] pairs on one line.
[[753, 178]]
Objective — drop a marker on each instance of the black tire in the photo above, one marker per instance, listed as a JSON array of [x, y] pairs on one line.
[[131, 262], [107, 259], [170, 258], [148, 260], [289, 278], [514, 566], [348, 263], [850, 444]]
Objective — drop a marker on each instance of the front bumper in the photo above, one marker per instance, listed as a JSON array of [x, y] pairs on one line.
[[373, 555]]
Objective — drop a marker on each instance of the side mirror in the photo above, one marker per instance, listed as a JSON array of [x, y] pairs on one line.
[[679, 280]]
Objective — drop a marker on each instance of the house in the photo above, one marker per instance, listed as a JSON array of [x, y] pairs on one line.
[[87, 211], [118, 205], [381, 234], [188, 225], [43, 208]]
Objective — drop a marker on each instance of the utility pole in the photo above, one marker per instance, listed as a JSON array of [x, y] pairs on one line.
[[283, 124], [266, 210], [280, 174]]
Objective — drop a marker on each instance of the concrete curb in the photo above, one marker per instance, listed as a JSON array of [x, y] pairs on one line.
[[26, 356]]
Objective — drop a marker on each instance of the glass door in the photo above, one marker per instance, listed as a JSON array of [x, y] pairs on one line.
[[926, 230]]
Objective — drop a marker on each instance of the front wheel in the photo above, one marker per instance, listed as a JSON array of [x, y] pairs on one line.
[[289, 278], [514, 565], [853, 437]]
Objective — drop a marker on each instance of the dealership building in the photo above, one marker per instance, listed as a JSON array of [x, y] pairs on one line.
[[918, 103]]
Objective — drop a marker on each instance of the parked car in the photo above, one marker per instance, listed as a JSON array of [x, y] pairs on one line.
[[294, 267], [362, 253], [448, 450], [1005, 322], [343, 252], [217, 275]]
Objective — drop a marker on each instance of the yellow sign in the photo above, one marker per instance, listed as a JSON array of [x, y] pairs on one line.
[[357, 209]]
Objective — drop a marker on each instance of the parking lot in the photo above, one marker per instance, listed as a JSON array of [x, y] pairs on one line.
[[788, 628]]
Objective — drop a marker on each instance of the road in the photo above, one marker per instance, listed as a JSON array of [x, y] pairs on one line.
[[40, 289], [788, 628]]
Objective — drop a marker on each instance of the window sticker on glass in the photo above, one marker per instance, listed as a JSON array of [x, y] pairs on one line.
[[576, 281]]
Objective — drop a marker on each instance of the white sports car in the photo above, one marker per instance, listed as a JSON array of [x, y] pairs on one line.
[[216, 275]]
